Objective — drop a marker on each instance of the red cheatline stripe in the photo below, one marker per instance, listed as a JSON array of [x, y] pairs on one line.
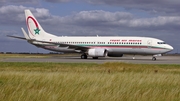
[[123, 47]]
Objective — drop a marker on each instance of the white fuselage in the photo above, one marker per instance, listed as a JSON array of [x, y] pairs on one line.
[[99, 46], [114, 45]]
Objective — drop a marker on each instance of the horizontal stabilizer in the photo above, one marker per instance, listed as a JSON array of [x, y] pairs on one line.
[[16, 37]]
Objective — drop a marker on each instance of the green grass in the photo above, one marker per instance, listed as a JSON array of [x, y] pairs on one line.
[[88, 82], [34, 55], [3, 56]]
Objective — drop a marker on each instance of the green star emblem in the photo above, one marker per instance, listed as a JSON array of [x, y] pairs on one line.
[[36, 31]]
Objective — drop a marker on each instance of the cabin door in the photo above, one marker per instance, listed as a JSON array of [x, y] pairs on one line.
[[149, 43]]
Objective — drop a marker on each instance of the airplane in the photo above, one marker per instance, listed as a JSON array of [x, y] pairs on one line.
[[92, 46]]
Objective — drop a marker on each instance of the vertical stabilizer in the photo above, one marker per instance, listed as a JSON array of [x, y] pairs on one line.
[[34, 28]]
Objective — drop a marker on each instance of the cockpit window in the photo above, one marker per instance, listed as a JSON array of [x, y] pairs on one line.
[[161, 42]]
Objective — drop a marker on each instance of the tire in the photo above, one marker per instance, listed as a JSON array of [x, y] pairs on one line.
[[154, 58], [83, 56]]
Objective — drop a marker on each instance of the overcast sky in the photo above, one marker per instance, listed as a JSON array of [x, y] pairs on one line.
[[152, 18]]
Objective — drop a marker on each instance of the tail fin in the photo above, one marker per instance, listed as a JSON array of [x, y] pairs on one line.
[[34, 28]]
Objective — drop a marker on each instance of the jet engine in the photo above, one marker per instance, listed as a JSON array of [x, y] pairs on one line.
[[97, 52]]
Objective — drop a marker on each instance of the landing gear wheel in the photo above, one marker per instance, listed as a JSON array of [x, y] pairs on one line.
[[83, 56], [134, 57], [154, 58], [95, 57]]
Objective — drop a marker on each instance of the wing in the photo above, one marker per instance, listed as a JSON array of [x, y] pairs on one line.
[[76, 47]]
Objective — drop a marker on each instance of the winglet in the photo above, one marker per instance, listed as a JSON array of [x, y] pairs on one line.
[[25, 34]]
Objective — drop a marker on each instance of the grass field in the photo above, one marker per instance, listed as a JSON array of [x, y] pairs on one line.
[[89, 82], [35, 55]]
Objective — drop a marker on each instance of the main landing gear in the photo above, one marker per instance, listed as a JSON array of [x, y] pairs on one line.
[[154, 58], [84, 56]]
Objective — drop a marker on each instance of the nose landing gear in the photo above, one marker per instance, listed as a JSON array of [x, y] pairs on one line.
[[154, 56]]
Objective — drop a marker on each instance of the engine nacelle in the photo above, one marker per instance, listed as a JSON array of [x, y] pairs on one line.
[[97, 52], [115, 55]]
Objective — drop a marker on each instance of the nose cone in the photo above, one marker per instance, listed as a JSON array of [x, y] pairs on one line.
[[170, 47]]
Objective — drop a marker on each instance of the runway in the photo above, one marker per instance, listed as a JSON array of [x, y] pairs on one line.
[[76, 59]]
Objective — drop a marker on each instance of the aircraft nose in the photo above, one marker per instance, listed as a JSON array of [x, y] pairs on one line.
[[170, 47]]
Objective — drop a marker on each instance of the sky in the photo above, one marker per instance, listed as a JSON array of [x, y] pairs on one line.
[[149, 18]]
